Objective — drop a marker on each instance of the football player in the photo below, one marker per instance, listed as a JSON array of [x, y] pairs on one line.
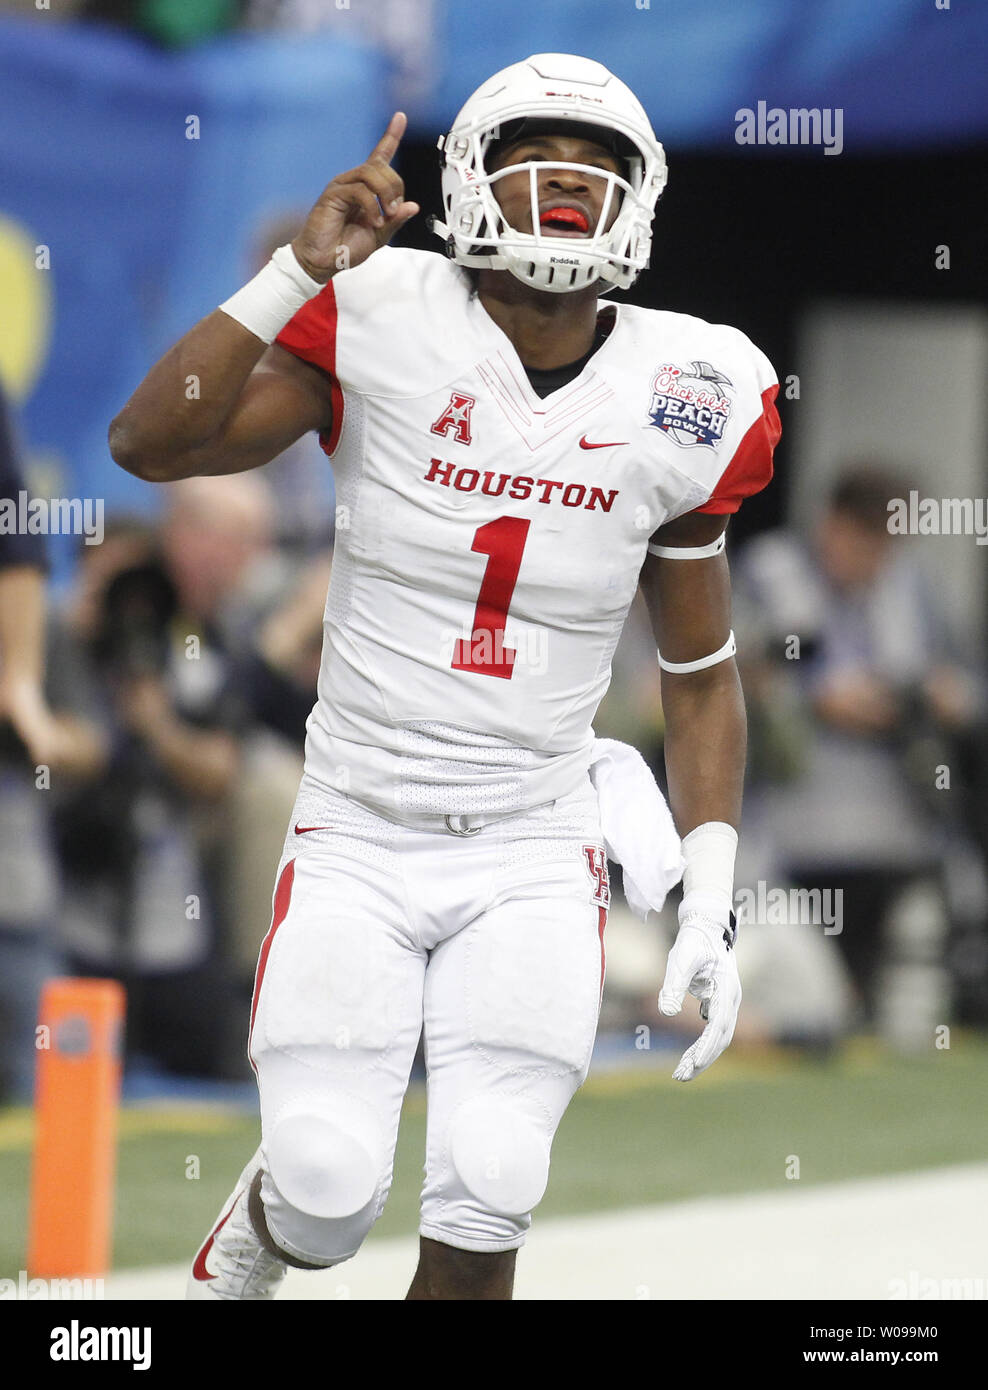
[[513, 458]]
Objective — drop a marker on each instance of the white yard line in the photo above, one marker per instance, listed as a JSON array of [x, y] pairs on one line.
[[874, 1238]]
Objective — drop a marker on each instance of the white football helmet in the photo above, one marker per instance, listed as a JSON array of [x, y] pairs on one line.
[[549, 92]]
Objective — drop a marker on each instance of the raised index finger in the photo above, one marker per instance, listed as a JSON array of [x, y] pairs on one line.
[[384, 151]]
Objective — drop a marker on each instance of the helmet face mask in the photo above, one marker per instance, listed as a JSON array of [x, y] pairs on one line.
[[573, 262], [566, 96]]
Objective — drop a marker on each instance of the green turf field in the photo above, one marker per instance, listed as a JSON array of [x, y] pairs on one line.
[[629, 1138]]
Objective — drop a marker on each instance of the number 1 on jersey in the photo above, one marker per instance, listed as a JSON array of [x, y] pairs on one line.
[[485, 653]]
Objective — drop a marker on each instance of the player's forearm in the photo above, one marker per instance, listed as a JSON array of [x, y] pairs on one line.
[[185, 400], [705, 744]]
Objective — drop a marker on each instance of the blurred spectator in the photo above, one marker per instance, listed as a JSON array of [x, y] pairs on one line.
[[856, 699], [278, 679], [41, 745], [203, 651], [145, 846], [216, 541], [281, 673], [230, 579]]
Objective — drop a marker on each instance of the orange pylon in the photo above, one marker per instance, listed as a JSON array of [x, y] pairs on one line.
[[76, 1105]]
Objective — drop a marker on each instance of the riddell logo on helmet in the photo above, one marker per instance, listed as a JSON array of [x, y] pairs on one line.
[[562, 260], [576, 96]]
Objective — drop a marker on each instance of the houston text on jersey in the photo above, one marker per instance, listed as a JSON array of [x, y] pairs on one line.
[[571, 494]]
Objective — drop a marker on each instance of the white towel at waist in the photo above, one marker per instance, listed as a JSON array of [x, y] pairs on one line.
[[639, 832]]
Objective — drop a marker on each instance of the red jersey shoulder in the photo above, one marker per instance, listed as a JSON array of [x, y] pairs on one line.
[[390, 279], [751, 466], [378, 327], [312, 333]]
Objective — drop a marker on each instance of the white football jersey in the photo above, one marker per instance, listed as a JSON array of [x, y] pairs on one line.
[[488, 541]]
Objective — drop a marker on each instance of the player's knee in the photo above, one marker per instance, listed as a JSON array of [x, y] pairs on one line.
[[313, 1241], [326, 1178], [501, 1156], [322, 1167]]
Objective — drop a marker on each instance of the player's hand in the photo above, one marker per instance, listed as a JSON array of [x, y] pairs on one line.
[[357, 213], [702, 962]]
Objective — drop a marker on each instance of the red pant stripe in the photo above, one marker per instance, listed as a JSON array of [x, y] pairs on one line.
[[282, 900]]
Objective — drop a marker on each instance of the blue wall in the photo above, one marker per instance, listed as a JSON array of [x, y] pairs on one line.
[[148, 230]]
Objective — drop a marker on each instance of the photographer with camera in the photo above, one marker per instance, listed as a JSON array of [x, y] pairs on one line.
[[142, 844]]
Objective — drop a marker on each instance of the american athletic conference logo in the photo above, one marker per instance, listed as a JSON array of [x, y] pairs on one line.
[[689, 406], [455, 419]]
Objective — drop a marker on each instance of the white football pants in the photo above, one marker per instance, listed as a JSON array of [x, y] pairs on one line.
[[492, 942]]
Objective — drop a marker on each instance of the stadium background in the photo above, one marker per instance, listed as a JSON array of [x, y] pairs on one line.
[[152, 147]]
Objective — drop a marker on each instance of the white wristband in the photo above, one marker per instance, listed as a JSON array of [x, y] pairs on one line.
[[709, 851], [273, 297], [681, 668], [689, 552]]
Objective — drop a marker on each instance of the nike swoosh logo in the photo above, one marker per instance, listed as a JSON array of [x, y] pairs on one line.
[[304, 829], [610, 444], [199, 1270]]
